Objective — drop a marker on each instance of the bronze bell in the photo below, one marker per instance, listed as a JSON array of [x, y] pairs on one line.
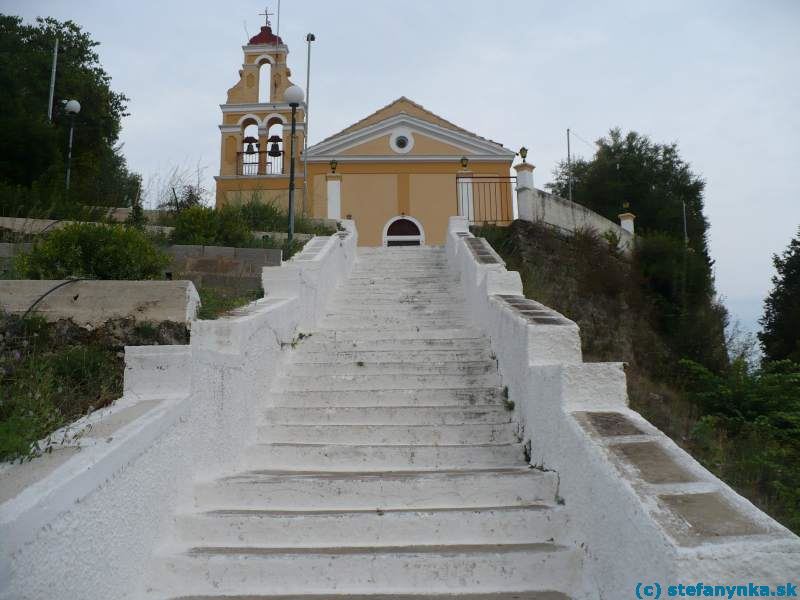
[[252, 144], [274, 149]]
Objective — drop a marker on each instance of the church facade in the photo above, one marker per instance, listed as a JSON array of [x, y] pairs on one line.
[[399, 173]]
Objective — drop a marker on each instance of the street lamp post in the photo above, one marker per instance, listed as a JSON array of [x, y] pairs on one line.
[[294, 96], [71, 108], [309, 38]]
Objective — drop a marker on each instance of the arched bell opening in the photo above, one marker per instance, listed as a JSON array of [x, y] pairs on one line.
[[248, 153], [264, 81], [275, 147]]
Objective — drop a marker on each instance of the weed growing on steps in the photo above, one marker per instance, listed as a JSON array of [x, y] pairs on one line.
[[509, 404], [360, 363], [299, 338]]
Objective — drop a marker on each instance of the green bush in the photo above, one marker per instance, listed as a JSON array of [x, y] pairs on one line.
[[93, 251], [263, 216], [202, 225]]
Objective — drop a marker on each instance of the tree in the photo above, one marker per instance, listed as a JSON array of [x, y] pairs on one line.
[[631, 172], [651, 177], [32, 150], [780, 334]]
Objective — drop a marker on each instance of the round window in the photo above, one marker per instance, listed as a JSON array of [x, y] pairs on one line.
[[401, 140]]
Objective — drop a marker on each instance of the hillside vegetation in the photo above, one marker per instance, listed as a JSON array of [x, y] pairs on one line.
[[742, 423]]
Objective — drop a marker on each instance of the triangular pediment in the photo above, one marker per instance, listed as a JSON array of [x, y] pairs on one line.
[[429, 136]]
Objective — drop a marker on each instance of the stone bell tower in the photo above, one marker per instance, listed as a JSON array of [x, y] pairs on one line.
[[256, 127]]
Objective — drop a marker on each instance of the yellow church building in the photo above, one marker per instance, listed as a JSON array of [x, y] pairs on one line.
[[399, 173]]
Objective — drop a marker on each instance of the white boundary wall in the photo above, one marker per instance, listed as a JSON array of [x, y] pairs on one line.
[[620, 517], [87, 528], [541, 207]]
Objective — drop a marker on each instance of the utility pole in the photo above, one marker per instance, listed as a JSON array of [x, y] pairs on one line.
[[309, 38], [569, 168], [278, 23], [685, 257], [52, 83], [685, 230]]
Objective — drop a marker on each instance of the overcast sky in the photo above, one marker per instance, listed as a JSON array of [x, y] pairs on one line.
[[720, 78]]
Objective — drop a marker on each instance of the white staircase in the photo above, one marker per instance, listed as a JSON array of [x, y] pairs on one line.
[[386, 465]]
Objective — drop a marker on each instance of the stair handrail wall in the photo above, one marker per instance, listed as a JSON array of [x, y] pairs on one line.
[[631, 527], [89, 528]]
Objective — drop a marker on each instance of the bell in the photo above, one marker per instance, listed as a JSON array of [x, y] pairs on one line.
[[274, 150], [250, 149]]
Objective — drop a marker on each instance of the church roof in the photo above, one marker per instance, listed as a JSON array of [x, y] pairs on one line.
[[265, 36], [405, 105], [439, 139]]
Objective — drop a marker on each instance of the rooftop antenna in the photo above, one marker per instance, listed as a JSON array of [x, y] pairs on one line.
[[247, 33]]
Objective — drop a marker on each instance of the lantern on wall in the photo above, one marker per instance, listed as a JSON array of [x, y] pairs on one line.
[[464, 162], [334, 163]]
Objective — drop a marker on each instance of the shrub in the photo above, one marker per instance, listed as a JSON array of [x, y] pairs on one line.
[[263, 216], [202, 225], [93, 251]]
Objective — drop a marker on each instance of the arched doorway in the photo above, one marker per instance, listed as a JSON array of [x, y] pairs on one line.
[[403, 231]]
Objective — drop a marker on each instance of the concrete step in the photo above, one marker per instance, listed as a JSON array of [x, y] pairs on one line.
[[322, 341], [396, 415], [386, 382], [440, 568], [396, 310], [418, 367], [330, 356], [409, 304], [527, 595], [439, 269], [374, 457], [429, 435], [451, 397], [437, 333], [401, 287], [419, 324], [510, 524], [405, 295], [418, 490]]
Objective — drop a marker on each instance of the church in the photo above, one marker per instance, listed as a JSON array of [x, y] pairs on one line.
[[399, 173]]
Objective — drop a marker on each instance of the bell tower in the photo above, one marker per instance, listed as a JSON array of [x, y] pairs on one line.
[[256, 126]]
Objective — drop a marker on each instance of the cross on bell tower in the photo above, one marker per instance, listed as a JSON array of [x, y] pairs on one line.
[[266, 14]]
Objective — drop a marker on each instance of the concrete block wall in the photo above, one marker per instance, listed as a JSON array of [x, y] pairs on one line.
[[221, 266], [642, 509], [94, 302], [84, 526]]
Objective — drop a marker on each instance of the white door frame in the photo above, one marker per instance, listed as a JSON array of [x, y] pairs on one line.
[[403, 238]]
